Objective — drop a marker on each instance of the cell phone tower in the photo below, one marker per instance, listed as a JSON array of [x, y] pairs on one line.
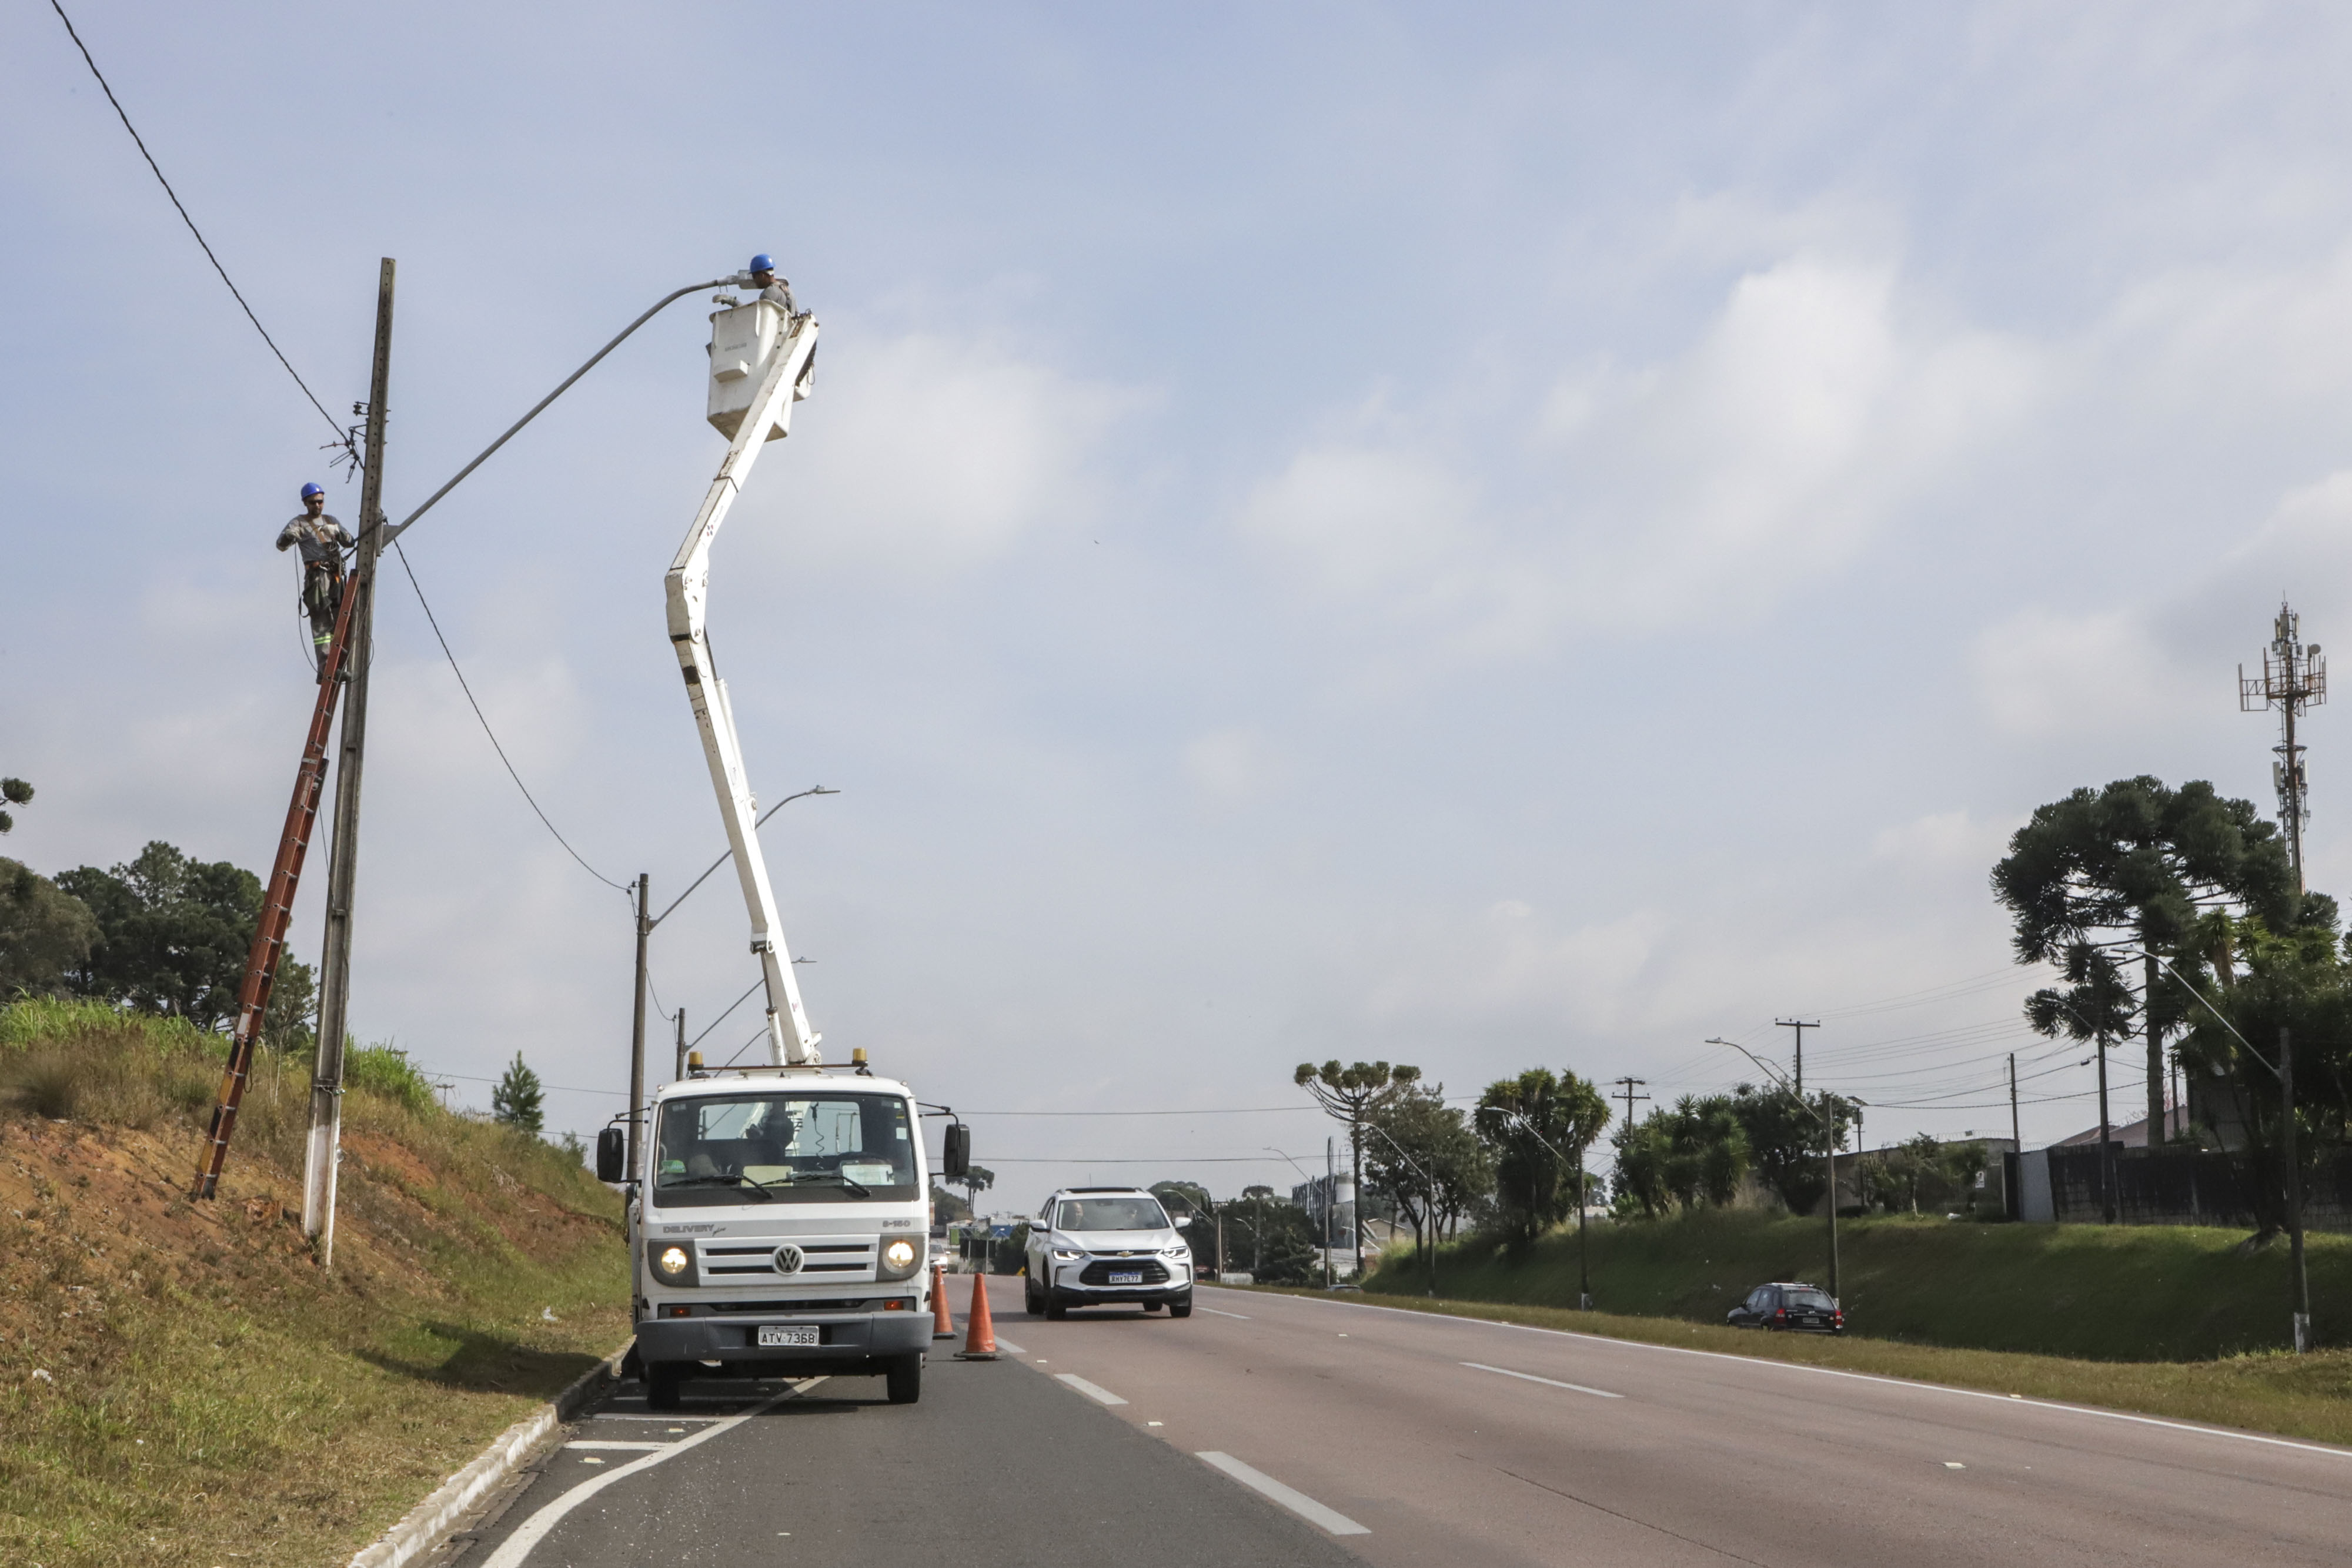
[[2294, 677]]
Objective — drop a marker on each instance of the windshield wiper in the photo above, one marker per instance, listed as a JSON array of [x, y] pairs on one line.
[[736, 1182]]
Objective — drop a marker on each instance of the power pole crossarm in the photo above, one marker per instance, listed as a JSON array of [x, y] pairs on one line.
[[790, 1040]]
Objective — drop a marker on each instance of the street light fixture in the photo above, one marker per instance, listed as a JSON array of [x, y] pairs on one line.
[[1830, 1144]]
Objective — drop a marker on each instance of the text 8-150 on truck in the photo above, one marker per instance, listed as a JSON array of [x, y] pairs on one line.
[[779, 1225]]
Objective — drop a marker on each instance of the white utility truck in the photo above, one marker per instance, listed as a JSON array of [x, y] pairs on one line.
[[778, 1214]]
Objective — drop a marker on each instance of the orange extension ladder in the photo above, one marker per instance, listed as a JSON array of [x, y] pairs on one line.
[[276, 907]]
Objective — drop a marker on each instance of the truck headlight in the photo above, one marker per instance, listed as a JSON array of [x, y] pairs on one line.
[[672, 1264], [900, 1256]]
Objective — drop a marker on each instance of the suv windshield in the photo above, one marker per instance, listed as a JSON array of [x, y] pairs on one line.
[[810, 1146], [1111, 1213]]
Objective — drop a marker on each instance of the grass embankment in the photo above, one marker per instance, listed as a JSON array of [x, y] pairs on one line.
[[2167, 1321], [180, 1383], [2097, 1292], [2307, 1396]]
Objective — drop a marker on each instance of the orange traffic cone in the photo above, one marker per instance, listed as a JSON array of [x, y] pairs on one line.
[[942, 1325], [980, 1334]]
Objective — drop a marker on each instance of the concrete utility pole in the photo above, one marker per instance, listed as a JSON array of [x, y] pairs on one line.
[[679, 1075], [1628, 1085], [2107, 1143], [2016, 1139], [2155, 1054], [1801, 1028], [637, 1023], [325, 1147]]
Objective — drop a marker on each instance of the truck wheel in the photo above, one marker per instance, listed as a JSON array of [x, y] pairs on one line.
[[905, 1378], [1057, 1310], [1181, 1308], [662, 1380]]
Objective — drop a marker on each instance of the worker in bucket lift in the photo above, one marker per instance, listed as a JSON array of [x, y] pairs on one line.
[[776, 291], [322, 541]]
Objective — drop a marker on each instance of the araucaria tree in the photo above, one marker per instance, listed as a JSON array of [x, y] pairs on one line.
[[1353, 1094], [1539, 1125], [2137, 865]]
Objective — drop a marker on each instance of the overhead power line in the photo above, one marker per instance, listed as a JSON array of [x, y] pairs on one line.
[[119, 114], [434, 622]]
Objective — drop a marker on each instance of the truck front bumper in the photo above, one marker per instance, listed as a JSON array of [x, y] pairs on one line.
[[840, 1341]]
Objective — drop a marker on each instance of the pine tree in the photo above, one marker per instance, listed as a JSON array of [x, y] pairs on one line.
[[517, 1100]]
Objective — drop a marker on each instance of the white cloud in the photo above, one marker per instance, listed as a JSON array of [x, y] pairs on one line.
[[1944, 840], [927, 453], [1233, 767], [1814, 405]]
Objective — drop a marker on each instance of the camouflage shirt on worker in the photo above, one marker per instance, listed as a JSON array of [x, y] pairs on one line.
[[321, 538]]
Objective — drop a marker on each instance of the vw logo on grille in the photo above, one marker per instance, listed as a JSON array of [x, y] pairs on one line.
[[788, 1259]]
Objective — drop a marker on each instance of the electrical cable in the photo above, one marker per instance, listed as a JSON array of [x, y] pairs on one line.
[[462, 684], [343, 436]]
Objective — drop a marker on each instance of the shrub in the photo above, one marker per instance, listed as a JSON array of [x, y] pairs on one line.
[[385, 1070]]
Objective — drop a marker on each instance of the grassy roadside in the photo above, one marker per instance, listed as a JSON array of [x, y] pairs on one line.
[[180, 1384], [2088, 1293], [2307, 1396]]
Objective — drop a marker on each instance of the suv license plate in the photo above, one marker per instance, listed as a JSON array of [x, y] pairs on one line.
[[1134, 1279], [778, 1333]]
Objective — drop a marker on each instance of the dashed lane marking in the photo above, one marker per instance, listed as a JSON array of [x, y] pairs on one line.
[[613, 1443], [1548, 1382], [1298, 1502], [1215, 1312], [1093, 1391]]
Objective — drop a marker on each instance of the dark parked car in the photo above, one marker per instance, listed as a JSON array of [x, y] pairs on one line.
[[1792, 1306]]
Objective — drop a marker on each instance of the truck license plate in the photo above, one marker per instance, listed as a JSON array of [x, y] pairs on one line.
[[1134, 1279], [782, 1333]]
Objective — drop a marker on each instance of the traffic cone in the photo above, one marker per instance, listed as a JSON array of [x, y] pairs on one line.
[[980, 1334], [942, 1325]]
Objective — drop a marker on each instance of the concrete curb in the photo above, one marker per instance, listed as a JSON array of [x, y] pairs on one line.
[[421, 1528]]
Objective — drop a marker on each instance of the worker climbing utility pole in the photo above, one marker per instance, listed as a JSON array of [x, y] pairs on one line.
[[343, 861]]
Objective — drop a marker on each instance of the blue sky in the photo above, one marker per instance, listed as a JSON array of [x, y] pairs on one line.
[[1353, 530]]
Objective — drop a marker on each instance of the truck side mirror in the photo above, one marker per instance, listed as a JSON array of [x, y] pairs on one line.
[[955, 1153], [611, 1155]]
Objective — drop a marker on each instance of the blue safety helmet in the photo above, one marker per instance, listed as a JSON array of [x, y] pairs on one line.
[[763, 263], [310, 490]]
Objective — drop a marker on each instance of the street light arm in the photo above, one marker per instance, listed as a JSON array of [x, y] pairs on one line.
[[663, 303], [1779, 1079], [729, 855], [2210, 1008]]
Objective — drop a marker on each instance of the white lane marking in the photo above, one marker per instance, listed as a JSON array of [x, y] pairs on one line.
[[1548, 1382], [1954, 1465], [532, 1530], [613, 1443], [671, 1421], [1298, 1502], [1091, 1390], [1243, 1316], [1008, 1344], [2332, 1453]]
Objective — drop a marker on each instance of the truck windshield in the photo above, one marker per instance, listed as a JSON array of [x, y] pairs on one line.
[[1111, 1213], [822, 1147]]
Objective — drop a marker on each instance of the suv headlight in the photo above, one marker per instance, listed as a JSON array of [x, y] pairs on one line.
[[671, 1262], [1179, 1250], [1068, 1254], [899, 1257]]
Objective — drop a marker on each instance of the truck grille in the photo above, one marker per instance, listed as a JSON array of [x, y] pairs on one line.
[[1099, 1271], [847, 1258]]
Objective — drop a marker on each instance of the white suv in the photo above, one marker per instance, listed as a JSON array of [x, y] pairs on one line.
[[1093, 1245]]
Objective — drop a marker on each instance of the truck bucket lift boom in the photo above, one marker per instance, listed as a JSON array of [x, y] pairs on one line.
[[783, 377], [276, 908]]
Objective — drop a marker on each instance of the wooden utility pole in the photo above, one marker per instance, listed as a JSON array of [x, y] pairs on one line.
[[638, 1026], [2016, 1138], [1801, 1028], [342, 863]]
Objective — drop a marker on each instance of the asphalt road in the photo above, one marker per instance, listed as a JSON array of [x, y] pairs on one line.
[[1273, 1429]]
